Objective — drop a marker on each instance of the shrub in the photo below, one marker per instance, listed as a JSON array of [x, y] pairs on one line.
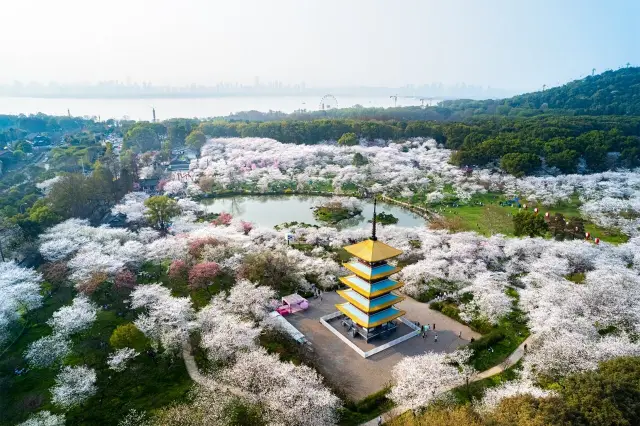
[[125, 279], [202, 275], [196, 246], [90, 286], [223, 219], [56, 273], [178, 271], [128, 336]]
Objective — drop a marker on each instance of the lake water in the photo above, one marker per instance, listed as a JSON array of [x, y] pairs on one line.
[[141, 109], [269, 211]]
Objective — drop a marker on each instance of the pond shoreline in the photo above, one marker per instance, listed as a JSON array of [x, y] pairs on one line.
[[420, 211], [272, 208]]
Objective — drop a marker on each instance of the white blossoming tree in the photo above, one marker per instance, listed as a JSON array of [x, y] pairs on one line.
[[73, 386], [74, 318], [166, 320], [119, 359], [290, 394], [44, 418], [19, 292], [422, 379], [47, 350]]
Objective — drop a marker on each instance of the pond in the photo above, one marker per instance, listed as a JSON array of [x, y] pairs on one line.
[[270, 211]]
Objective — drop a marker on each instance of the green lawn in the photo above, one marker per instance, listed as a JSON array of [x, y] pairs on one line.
[[370, 407], [475, 391], [490, 218], [498, 341]]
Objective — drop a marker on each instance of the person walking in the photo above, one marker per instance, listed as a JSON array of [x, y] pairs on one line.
[[525, 347], [434, 326], [435, 338], [459, 334], [379, 420]]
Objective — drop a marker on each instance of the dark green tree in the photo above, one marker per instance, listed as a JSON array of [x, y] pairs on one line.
[[196, 140], [141, 138], [526, 222], [359, 160], [161, 209], [128, 336], [348, 139], [519, 164]]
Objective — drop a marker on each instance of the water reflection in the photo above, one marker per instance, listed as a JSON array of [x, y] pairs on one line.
[[273, 210]]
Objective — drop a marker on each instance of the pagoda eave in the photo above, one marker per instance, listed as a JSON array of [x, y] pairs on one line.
[[367, 292], [370, 306], [370, 273], [369, 321]]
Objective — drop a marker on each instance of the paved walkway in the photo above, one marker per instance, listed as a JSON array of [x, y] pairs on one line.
[[359, 377], [509, 362], [196, 376]]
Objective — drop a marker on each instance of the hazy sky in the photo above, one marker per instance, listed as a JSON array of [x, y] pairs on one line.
[[514, 44]]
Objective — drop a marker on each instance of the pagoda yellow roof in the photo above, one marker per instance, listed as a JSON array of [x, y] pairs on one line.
[[372, 251]]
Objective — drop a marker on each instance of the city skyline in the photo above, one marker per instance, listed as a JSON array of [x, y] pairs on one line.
[[117, 88], [499, 43]]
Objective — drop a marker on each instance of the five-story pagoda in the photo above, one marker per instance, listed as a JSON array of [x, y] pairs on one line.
[[369, 299]]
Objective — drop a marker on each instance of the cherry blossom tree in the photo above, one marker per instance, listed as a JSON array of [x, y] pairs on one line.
[[55, 273], [489, 297], [174, 187], [197, 246], [250, 300], [20, 290], [209, 407], [44, 418], [225, 334], [119, 359], [521, 386], [202, 274], [246, 227], [166, 320], [223, 219], [290, 394], [47, 351], [74, 318], [46, 185], [125, 279], [132, 205], [420, 380], [73, 386], [178, 271]]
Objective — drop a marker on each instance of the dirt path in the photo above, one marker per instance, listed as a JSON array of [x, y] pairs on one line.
[[416, 209]]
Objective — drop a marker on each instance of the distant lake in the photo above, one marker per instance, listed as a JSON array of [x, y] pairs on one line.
[[269, 211], [140, 109]]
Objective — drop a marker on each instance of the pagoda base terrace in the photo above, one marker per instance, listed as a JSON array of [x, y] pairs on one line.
[[369, 342], [356, 375]]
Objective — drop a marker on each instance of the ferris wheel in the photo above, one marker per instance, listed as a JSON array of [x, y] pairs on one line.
[[328, 102]]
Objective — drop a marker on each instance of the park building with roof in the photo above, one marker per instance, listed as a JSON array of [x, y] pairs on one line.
[[369, 299]]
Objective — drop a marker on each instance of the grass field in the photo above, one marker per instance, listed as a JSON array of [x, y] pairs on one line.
[[499, 340], [484, 215]]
